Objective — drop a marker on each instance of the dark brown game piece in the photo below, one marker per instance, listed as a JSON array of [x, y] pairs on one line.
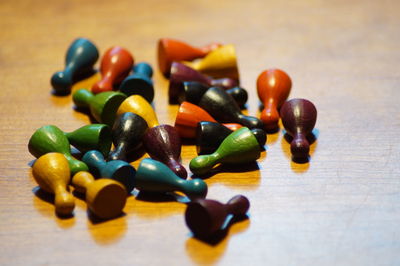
[[163, 144], [299, 117], [127, 134], [181, 73], [205, 217]]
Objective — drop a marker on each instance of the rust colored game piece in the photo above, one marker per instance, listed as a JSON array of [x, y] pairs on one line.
[[189, 115], [116, 64], [181, 73], [298, 118], [273, 88], [205, 217], [163, 144], [170, 50]]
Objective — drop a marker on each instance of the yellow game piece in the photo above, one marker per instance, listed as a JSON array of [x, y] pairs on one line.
[[138, 105]]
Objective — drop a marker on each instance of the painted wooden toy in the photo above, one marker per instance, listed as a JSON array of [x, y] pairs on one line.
[[80, 58], [241, 146], [102, 106], [139, 82], [196, 88], [154, 176], [91, 137], [163, 144], [127, 135], [299, 117], [170, 50], [189, 115], [51, 139], [205, 217], [181, 73], [273, 88], [118, 170], [220, 63], [138, 105], [116, 64], [51, 172], [105, 197], [218, 103], [209, 135]]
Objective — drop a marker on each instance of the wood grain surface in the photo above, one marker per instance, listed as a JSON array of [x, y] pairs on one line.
[[341, 208]]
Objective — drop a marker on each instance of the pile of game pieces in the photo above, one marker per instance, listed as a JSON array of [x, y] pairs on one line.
[[205, 82]]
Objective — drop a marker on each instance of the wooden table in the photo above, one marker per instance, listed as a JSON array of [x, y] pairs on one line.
[[341, 208]]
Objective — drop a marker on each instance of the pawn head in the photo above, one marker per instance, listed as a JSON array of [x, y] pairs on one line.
[[61, 83], [260, 135], [270, 118], [178, 169], [299, 149]]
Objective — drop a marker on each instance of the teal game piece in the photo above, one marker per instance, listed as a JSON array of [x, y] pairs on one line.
[[139, 82]]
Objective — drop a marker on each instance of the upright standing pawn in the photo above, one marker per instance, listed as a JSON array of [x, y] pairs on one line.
[[52, 173], [138, 105], [51, 139], [170, 50], [103, 106], [222, 107], [298, 118], [273, 88], [139, 82], [105, 197], [205, 217], [116, 64], [154, 176], [241, 146], [181, 73], [127, 135], [81, 56], [209, 135], [219, 63], [163, 144], [189, 115], [118, 170]]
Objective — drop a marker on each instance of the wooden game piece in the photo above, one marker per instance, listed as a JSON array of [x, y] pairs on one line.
[[298, 118], [241, 146], [220, 63], [209, 135], [181, 73], [273, 88], [163, 144], [205, 217], [189, 115], [218, 103], [238, 94], [170, 50], [118, 170], [139, 82], [154, 176], [116, 64], [51, 172], [105, 197], [127, 135], [51, 139], [103, 106], [80, 58], [91, 137], [138, 105]]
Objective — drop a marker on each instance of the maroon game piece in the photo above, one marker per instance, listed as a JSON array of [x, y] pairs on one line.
[[299, 117], [205, 217], [181, 73], [163, 144]]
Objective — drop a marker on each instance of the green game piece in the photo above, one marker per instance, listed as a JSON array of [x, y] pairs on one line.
[[155, 176], [91, 137], [51, 139], [241, 146], [103, 106]]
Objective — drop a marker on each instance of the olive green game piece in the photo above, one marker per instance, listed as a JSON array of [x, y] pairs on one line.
[[154, 176], [51, 139], [91, 137], [103, 106], [241, 146]]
